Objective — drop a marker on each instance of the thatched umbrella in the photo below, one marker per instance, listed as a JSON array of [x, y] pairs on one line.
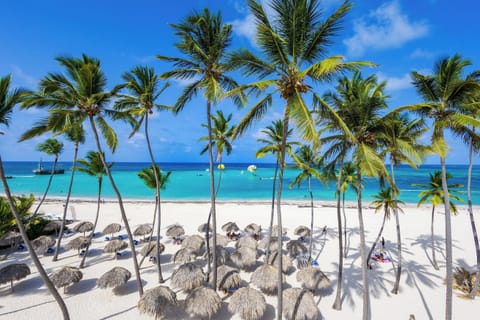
[[244, 258], [312, 278], [183, 255], [275, 230], [112, 228], [114, 246], [248, 303], [188, 277], [54, 225], [83, 226], [195, 243], [274, 244], [203, 302], [175, 232], [78, 243], [222, 240], [222, 255], [10, 239], [230, 228], [299, 304], [15, 271], [253, 230], [302, 232], [287, 263], [66, 276], [296, 247], [203, 228], [157, 301], [265, 278], [227, 278], [247, 241], [150, 249], [114, 278], [142, 230], [42, 243]]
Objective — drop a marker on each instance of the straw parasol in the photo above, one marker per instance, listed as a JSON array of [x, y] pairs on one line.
[[227, 278], [10, 238], [150, 249], [114, 278], [295, 248], [114, 246], [66, 276], [83, 226], [312, 278], [230, 227], [253, 230], [287, 263], [78, 243], [157, 301], [188, 277], [275, 230], [203, 302], [245, 258], [112, 228], [195, 243], [221, 240], [299, 304], [203, 228], [248, 303], [142, 230], [183, 255], [274, 244], [302, 232], [265, 278], [54, 225], [175, 231], [247, 241], [42, 243], [15, 271], [222, 255]]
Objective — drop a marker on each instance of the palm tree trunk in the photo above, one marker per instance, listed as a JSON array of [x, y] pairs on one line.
[[310, 249], [48, 187], [67, 201], [396, 285], [474, 291], [267, 251], [366, 315], [434, 259], [31, 251], [337, 305], [345, 254], [212, 197], [448, 244], [92, 233], [122, 208], [151, 232], [374, 245]]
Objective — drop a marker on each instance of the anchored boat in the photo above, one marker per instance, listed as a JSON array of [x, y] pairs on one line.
[[42, 170]]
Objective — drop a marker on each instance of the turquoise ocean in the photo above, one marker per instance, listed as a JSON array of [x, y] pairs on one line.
[[190, 181]]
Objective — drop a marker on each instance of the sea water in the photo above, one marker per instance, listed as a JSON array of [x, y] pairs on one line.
[[190, 181]]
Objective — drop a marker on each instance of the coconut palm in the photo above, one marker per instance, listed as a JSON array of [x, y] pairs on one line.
[[93, 166], [9, 97], [446, 93], [80, 95], [347, 180], [203, 41], [144, 87], [433, 193]]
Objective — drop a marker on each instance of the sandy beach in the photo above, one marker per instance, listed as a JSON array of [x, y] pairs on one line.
[[422, 289]]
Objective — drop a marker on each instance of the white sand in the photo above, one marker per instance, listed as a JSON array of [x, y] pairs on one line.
[[422, 289]]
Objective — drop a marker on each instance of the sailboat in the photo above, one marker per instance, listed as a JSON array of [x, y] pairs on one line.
[[42, 170]]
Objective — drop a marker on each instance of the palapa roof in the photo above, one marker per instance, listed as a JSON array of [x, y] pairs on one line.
[[253, 229], [302, 231], [66, 276], [244, 258], [14, 271], [183, 255], [175, 231], [195, 243], [299, 304], [53, 225], [9, 238], [248, 303], [150, 249], [142, 230], [115, 245], [157, 301], [265, 278], [275, 230], [274, 243], [187, 277], [230, 227], [247, 241], [113, 278], [287, 263], [203, 228], [221, 253], [296, 247], [222, 240], [83, 226], [78, 243], [42, 243], [112, 228], [203, 302], [312, 278], [227, 277]]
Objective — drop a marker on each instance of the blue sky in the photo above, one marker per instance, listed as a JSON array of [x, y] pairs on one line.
[[399, 36]]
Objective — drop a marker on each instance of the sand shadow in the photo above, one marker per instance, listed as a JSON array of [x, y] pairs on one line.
[[114, 315], [24, 287], [128, 288], [83, 286]]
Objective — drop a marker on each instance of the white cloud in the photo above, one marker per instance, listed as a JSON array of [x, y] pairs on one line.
[[383, 28], [396, 83], [246, 27], [184, 82], [421, 53], [24, 79], [136, 140]]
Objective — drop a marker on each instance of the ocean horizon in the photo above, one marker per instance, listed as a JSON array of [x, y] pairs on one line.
[[190, 182]]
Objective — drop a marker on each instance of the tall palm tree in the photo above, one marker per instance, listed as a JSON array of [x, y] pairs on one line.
[[347, 180], [51, 147], [308, 162], [77, 96], [293, 40], [204, 40], [93, 166], [8, 99], [446, 93], [273, 145], [144, 88], [433, 193]]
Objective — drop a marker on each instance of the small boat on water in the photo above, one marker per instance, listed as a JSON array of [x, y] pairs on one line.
[[42, 170]]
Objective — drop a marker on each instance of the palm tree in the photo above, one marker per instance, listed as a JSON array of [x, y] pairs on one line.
[[8, 99], [293, 40], [347, 180], [433, 193], [75, 97], [204, 40], [308, 162], [50, 147], [446, 93], [273, 145], [93, 166], [143, 85], [385, 199]]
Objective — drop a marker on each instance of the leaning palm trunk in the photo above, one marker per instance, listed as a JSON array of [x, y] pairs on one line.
[[48, 187], [432, 233], [448, 244], [310, 249], [64, 217], [151, 232], [474, 291], [92, 233], [366, 294], [345, 253], [380, 232], [337, 305], [31, 251], [122, 208], [396, 285], [267, 253]]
